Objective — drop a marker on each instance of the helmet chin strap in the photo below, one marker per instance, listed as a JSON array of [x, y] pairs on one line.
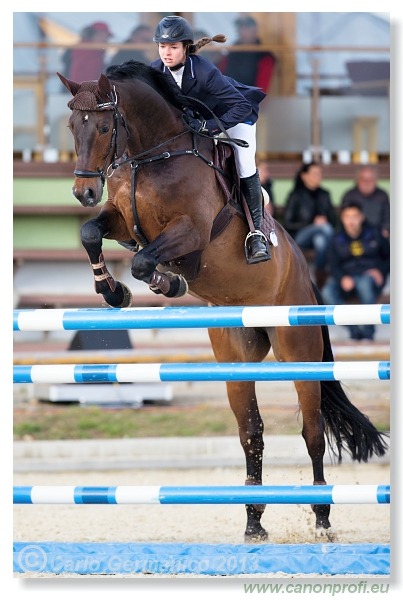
[[177, 67]]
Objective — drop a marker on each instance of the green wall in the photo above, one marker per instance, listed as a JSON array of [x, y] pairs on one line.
[[51, 232], [48, 231], [54, 231], [53, 192], [336, 187]]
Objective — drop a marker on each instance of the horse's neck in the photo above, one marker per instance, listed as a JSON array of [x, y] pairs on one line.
[[150, 118]]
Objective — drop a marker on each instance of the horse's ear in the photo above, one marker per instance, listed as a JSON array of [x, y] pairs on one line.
[[72, 86], [104, 86]]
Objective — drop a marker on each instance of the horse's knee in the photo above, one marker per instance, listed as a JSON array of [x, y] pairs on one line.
[[90, 233], [143, 266]]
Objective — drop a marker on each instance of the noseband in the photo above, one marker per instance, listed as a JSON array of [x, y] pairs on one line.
[[112, 105]]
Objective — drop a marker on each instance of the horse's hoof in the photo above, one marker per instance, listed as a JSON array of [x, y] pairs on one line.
[[126, 296], [326, 534], [179, 286], [255, 537]]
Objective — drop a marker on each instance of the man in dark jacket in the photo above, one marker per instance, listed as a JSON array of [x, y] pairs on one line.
[[374, 200], [359, 264]]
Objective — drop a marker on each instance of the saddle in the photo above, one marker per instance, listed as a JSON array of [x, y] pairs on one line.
[[235, 206]]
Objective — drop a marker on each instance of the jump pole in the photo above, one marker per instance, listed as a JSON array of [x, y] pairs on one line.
[[162, 372], [198, 317], [277, 494]]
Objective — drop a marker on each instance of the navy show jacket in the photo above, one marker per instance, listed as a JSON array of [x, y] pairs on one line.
[[231, 101]]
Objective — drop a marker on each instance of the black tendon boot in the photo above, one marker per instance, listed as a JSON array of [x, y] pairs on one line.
[[256, 244]]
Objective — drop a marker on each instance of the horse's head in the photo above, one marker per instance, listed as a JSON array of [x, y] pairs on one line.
[[99, 132]]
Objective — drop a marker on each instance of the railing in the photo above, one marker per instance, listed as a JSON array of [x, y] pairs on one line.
[[308, 91]]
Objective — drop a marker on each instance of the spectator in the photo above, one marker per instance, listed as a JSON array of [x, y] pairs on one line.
[[86, 64], [250, 67], [309, 216], [374, 200], [359, 264], [263, 167], [142, 34]]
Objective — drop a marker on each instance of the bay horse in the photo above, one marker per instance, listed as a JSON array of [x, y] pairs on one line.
[[166, 197]]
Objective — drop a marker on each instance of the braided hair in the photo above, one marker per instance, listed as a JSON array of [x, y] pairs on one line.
[[193, 48]]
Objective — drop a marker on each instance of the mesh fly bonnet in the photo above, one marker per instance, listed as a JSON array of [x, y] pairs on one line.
[[89, 98]]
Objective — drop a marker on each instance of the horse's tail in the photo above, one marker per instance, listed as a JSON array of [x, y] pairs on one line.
[[346, 427]]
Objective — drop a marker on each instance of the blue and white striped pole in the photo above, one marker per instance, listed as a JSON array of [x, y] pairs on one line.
[[277, 494], [198, 317], [161, 372]]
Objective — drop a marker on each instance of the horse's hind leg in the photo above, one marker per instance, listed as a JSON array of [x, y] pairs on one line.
[[115, 293], [236, 345], [309, 397]]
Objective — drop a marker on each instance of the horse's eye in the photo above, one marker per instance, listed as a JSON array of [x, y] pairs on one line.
[[104, 129]]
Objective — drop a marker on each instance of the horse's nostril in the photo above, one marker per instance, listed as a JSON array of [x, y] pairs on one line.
[[86, 197], [89, 194]]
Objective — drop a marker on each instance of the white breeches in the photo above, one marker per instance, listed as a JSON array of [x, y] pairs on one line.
[[244, 157]]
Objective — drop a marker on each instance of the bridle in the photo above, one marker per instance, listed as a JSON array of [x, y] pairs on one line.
[[113, 145], [144, 157], [108, 169]]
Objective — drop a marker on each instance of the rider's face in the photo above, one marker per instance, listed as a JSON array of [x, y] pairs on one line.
[[172, 54]]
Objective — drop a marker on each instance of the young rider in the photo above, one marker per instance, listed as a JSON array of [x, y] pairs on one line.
[[235, 104]]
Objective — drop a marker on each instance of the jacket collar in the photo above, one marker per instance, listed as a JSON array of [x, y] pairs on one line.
[[189, 77]]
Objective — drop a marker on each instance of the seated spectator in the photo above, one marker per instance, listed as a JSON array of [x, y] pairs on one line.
[[86, 64], [142, 34], [374, 200], [263, 167], [359, 264], [249, 67], [309, 216]]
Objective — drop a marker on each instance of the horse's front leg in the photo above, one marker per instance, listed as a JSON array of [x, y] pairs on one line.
[[242, 399], [246, 345], [177, 239], [115, 293]]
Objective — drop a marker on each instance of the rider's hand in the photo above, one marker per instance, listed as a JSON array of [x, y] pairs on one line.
[[198, 125]]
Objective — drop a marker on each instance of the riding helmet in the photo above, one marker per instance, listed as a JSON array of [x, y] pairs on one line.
[[173, 29]]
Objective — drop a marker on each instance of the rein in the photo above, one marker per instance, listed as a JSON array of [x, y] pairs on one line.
[[135, 163], [108, 170]]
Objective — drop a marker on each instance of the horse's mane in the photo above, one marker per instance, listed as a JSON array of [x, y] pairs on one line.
[[159, 81]]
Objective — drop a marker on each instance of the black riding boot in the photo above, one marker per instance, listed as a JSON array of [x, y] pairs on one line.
[[256, 244]]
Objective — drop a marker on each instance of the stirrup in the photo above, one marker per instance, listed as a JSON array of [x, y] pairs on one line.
[[263, 257]]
